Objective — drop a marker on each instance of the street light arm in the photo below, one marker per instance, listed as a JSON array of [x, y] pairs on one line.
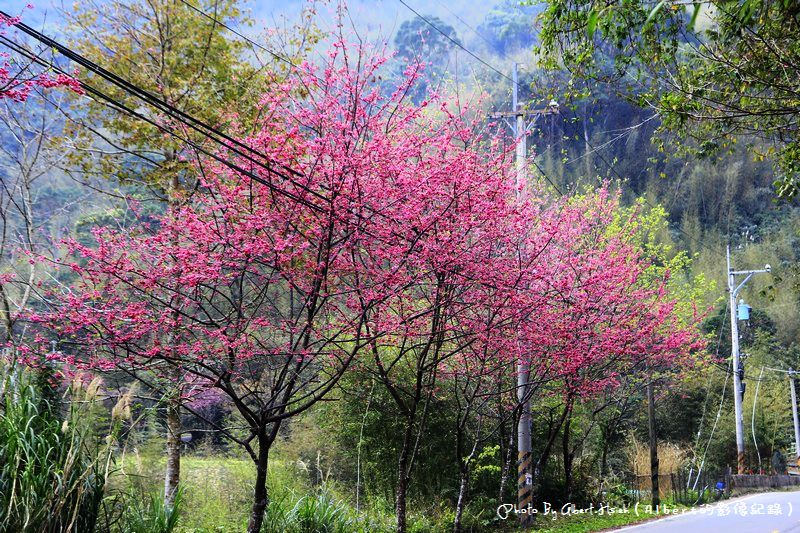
[[760, 271], [745, 280]]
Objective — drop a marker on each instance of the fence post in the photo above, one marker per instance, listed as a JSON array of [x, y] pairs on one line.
[[672, 482], [728, 481]]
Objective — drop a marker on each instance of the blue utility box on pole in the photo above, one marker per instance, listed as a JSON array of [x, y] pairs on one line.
[[743, 310]]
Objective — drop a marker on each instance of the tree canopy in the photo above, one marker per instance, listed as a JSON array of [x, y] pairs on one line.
[[715, 72]]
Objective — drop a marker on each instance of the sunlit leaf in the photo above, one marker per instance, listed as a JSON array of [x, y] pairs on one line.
[[693, 20], [591, 25]]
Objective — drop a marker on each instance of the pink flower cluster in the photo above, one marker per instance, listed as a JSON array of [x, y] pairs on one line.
[[400, 234], [16, 84]]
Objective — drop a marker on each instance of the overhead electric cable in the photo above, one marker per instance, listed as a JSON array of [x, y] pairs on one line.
[[233, 30], [286, 60], [172, 112], [617, 174], [491, 67], [456, 42], [464, 22], [122, 107], [714, 427], [196, 124], [753, 418]]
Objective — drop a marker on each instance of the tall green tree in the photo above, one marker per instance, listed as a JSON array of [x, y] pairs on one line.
[[176, 53], [183, 52], [417, 41], [715, 71]]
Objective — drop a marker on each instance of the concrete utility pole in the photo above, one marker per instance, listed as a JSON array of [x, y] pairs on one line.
[[524, 459], [794, 418], [525, 472], [738, 367]]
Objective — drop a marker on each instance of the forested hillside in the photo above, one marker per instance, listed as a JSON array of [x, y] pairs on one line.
[[299, 274]]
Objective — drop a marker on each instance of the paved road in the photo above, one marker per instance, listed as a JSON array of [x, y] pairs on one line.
[[771, 512]]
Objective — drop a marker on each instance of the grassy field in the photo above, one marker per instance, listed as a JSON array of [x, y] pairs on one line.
[[217, 495], [217, 499], [216, 489]]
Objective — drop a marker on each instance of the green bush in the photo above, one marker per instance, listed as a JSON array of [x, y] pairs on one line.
[[312, 513], [319, 513], [151, 515]]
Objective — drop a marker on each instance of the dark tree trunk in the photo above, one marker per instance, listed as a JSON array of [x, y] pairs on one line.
[[651, 419], [260, 497], [401, 494], [604, 456], [541, 462], [568, 459], [172, 473]]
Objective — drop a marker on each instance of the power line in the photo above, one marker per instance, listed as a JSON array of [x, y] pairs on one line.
[[594, 149], [487, 65], [122, 107], [460, 45], [181, 117], [624, 132], [196, 124], [186, 119], [621, 178], [470, 53], [456, 42], [462, 21], [753, 418], [708, 386], [546, 177], [714, 427], [234, 31]]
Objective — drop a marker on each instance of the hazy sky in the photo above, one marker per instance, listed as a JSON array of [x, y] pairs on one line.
[[386, 14], [371, 17]]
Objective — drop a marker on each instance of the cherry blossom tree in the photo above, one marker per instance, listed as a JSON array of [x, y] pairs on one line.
[[266, 287], [609, 323], [448, 279], [357, 226], [591, 317]]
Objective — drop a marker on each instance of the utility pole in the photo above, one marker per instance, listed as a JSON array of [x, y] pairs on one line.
[[794, 418], [524, 459], [525, 474], [738, 367]]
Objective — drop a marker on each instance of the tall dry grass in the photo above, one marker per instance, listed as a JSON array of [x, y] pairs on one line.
[[671, 457]]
